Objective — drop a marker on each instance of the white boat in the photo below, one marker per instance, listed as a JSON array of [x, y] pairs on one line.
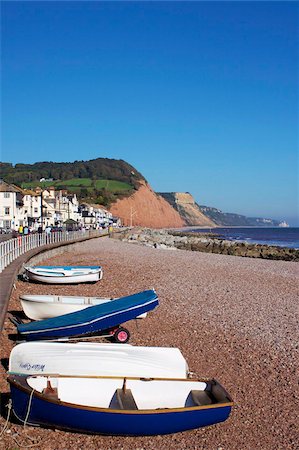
[[94, 359], [63, 274], [39, 307]]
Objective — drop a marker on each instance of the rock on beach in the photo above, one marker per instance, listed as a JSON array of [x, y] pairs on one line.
[[234, 319], [207, 243]]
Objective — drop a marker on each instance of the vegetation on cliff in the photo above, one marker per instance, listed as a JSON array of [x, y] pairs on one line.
[[100, 180], [100, 168]]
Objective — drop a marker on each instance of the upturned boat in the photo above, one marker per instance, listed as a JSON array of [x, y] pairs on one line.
[[63, 274], [40, 307], [90, 358], [102, 319], [118, 406]]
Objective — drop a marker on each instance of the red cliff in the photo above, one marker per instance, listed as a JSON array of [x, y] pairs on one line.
[[148, 209]]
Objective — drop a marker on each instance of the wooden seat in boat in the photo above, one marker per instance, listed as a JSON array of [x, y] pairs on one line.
[[201, 398], [50, 392], [125, 399]]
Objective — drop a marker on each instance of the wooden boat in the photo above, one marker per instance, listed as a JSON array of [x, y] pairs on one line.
[[63, 274], [104, 319], [40, 307], [87, 359], [118, 406]]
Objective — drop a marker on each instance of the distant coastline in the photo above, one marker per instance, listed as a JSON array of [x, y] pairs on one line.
[[277, 236]]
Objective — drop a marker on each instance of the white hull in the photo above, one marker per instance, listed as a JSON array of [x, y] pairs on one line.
[[39, 307], [93, 359], [63, 276]]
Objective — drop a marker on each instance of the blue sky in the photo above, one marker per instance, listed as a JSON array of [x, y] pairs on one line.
[[198, 96]]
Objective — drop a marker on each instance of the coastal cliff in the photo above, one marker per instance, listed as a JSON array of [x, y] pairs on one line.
[[148, 209], [185, 205]]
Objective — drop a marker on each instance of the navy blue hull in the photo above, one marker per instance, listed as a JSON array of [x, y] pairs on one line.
[[92, 320], [113, 423]]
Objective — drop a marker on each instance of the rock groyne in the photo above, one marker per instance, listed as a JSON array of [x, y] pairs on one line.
[[208, 243]]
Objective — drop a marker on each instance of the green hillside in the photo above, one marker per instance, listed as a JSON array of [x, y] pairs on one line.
[[76, 184], [100, 180], [95, 169], [103, 192]]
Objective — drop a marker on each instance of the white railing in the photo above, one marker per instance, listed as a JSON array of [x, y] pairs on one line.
[[13, 248]]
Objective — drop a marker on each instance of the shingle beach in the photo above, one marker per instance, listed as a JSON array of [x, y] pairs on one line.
[[233, 318]]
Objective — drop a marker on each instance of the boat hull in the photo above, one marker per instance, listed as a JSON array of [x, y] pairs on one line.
[[93, 320], [130, 423], [63, 275], [94, 359]]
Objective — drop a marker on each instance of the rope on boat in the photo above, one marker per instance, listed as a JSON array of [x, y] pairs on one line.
[[9, 406], [28, 445], [28, 408], [6, 426]]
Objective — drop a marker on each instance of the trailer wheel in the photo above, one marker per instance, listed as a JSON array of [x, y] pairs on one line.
[[121, 336]]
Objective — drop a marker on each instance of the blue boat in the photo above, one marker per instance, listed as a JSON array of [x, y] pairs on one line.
[[118, 406], [104, 319]]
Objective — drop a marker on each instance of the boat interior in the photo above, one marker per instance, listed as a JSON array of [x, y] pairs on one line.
[[64, 300], [129, 393], [58, 299]]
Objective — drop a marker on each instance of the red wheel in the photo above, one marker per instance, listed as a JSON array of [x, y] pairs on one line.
[[121, 336]]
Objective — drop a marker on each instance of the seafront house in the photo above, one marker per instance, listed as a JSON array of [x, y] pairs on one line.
[[9, 210], [95, 216], [58, 206], [47, 207], [29, 208], [19, 207], [103, 217]]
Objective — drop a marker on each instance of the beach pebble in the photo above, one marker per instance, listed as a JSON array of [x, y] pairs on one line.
[[234, 319]]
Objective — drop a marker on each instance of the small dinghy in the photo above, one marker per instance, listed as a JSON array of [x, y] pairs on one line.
[[40, 307], [118, 406], [90, 359], [104, 319], [63, 274]]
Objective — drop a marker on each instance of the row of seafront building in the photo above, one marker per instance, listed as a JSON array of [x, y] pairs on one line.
[[48, 207]]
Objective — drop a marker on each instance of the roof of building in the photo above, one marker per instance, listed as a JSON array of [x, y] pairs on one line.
[[25, 191], [5, 187]]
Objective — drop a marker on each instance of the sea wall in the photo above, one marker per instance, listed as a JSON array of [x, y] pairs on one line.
[[208, 243]]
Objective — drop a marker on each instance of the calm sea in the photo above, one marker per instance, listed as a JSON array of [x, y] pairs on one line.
[[284, 237]]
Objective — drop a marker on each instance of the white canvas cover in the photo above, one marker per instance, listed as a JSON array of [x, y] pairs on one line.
[[97, 359]]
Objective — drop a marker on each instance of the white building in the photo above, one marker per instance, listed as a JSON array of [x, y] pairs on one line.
[[9, 214], [58, 206], [48, 207], [95, 216]]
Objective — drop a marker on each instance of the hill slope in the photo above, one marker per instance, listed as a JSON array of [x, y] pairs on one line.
[[189, 211], [146, 208], [100, 168], [230, 219]]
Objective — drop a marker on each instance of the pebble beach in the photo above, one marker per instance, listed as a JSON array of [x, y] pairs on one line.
[[235, 319]]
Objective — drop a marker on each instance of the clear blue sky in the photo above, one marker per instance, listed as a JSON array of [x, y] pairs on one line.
[[198, 96]]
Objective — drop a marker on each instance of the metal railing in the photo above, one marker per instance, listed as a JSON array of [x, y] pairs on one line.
[[13, 248]]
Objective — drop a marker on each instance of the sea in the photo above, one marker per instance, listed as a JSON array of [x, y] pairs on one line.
[[283, 237]]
